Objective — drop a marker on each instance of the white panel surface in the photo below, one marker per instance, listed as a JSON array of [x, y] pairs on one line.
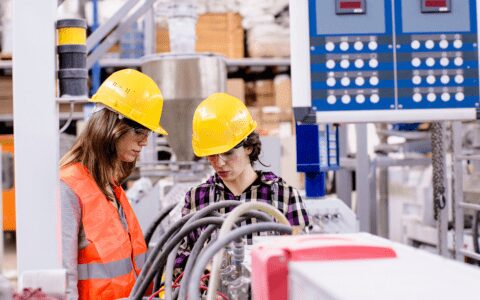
[[36, 130]]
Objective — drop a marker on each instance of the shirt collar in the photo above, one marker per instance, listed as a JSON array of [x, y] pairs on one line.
[[266, 178]]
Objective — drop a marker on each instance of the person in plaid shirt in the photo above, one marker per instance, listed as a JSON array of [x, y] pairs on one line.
[[223, 132]]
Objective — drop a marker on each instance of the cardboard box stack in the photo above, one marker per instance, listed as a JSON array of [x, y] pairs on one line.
[[236, 87], [221, 33], [6, 98], [270, 103], [162, 38], [283, 96]]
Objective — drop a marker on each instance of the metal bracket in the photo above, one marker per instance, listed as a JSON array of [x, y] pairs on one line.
[[305, 115]]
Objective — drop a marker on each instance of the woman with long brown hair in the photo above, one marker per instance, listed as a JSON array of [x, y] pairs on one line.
[[102, 243]]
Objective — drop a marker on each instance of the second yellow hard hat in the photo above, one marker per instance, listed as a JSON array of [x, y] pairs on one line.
[[220, 122]]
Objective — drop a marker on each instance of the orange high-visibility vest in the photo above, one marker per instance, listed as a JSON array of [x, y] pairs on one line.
[[109, 265]]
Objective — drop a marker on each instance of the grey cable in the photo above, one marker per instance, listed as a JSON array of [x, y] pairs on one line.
[[160, 260], [212, 249], [227, 225], [151, 257], [153, 227], [197, 248], [171, 258], [199, 244], [170, 232]]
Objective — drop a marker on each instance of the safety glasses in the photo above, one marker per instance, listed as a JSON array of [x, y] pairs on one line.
[[226, 156]]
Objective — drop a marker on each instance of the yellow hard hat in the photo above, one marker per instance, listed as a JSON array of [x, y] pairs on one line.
[[134, 95], [220, 122]]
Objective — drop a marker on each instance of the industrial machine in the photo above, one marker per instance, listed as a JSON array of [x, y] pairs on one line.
[[354, 266]]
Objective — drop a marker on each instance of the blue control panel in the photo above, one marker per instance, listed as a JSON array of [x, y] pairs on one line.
[[393, 55], [437, 54], [351, 56]]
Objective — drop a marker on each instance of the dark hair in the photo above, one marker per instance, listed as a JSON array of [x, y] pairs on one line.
[[253, 141], [96, 149]]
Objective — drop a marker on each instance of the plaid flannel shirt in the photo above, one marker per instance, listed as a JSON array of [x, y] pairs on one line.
[[268, 188]]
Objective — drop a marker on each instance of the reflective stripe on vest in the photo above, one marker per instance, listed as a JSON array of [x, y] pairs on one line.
[[109, 270], [140, 260]]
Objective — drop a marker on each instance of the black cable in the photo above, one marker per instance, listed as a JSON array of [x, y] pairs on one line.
[[151, 257], [197, 248], [160, 260], [172, 230], [152, 228], [213, 248], [170, 263]]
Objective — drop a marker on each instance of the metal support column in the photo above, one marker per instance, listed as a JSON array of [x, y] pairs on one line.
[[457, 189], [365, 207], [150, 32], [36, 130], [383, 211], [343, 182]]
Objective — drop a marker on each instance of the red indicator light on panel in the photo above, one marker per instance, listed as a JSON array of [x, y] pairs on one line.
[[350, 5], [436, 3]]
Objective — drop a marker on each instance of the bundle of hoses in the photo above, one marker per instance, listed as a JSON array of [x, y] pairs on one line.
[[161, 259]]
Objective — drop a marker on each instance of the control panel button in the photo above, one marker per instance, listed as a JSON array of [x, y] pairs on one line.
[[346, 99], [373, 80], [459, 96], [329, 46], [444, 61], [374, 98], [360, 99], [443, 44], [344, 63], [429, 44], [431, 97], [417, 97], [416, 79], [358, 45], [445, 97], [359, 81], [431, 79], [458, 61], [345, 81], [457, 44], [359, 63], [372, 45], [458, 79], [373, 63], [330, 64], [445, 79], [331, 99], [331, 81], [416, 62], [415, 44], [430, 62], [344, 46]]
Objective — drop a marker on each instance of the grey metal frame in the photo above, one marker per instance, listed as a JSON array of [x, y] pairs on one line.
[[372, 213], [458, 200], [114, 36]]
